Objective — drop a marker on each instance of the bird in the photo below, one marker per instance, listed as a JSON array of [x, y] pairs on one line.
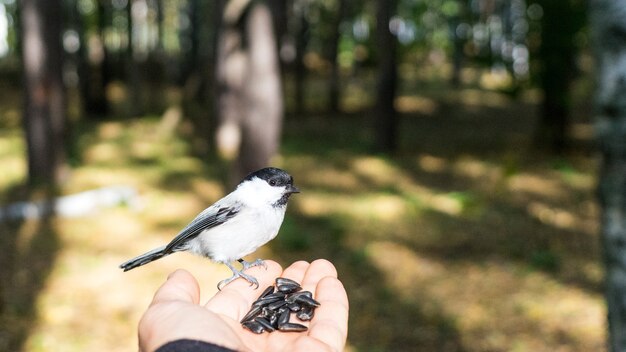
[[234, 226]]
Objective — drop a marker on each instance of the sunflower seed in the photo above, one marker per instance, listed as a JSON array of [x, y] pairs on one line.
[[265, 323], [307, 301], [292, 327], [287, 288], [253, 326], [285, 281], [306, 313], [266, 300], [267, 291], [283, 316], [276, 305], [290, 298], [294, 307], [251, 314]]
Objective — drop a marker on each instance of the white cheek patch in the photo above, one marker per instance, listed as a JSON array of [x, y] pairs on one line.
[[258, 193]]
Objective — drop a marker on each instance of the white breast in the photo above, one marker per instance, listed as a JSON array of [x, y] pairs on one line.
[[245, 233]]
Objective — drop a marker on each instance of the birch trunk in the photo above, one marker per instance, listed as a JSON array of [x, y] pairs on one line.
[[608, 23]]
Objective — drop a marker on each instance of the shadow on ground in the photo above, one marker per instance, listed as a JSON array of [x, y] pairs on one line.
[[29, 249]]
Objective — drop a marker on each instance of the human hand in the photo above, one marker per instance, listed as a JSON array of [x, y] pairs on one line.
[[175, 312]]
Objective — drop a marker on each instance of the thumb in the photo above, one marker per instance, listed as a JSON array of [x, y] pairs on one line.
[[179, 286]]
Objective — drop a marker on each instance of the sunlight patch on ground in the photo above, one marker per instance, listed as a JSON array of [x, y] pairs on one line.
[[471, 295], [431, 163], [476, 98], [13, 171], [445, 204], [583, 131], [375, 169], [164, 207], [464, 166], [26, 233], [381, 207], [144, 150], [330, 178], [537, 185], [110, 130], [208, 190], [416, 104], [496, 79], [95, 177], [553, 216], [478, 169], [103, 153]]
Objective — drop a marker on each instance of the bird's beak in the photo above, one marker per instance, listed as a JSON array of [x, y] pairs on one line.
[[292, 189]]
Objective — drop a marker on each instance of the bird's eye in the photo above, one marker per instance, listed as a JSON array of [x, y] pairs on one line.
[[272, 182]]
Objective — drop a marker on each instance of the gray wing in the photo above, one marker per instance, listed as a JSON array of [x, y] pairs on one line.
[[205, 220]]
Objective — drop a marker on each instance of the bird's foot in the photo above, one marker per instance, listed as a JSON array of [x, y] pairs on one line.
[[247, 265], [238, 274]]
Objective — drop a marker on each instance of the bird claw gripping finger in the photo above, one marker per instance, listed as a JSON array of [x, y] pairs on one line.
[[238, 274], [247, 265]]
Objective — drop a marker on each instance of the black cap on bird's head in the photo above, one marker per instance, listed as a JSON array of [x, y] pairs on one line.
[[275, 177]]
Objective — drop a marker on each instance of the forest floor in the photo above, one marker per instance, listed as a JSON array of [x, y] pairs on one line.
[[467, 240]]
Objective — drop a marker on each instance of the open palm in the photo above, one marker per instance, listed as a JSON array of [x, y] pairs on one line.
[[175, 312]]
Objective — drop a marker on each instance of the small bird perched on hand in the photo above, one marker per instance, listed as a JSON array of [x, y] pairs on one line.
[[234, 226]]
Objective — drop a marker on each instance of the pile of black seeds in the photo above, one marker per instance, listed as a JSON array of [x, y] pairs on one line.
[[273, 309]]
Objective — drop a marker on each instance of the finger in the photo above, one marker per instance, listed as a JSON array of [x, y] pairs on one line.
[[318, 269], [179, 286], [235, 299], [296, 271], [330, 324]]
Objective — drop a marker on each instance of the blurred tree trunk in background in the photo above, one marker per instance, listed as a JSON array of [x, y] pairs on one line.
[[299, 69], [105, 67], [192, 59], [44, 116], [560, 23], [92, 66], [608, 23], [386, 119], [279, 13], [458, 41], [250, 102], [333, 90], [200, 88], [160, 20], [194, 66], [133, 71]]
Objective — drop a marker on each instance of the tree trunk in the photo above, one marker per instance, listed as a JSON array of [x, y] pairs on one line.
[[191, 58], [557, 53], [105, 67], [133, 71], [279, 13], [299, 69], [608, 23], [44, 94], [92, 69], [333, 89], [250, 99], [386, 119], [458, 41]]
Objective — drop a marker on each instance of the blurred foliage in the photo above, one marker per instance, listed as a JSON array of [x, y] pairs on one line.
[[502, 36]]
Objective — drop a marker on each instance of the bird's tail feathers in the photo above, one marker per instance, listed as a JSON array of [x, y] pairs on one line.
[[145, 258]]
